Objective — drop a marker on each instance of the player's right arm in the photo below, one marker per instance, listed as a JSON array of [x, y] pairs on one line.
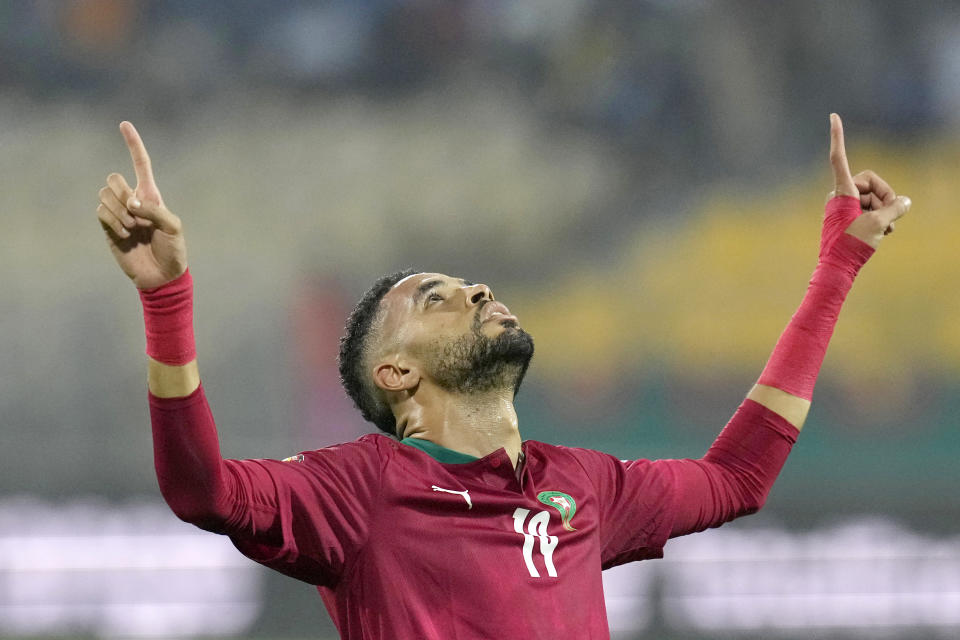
[[147, 242], [253, 501]]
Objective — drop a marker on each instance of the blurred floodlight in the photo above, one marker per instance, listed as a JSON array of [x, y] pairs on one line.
[[118, 571]]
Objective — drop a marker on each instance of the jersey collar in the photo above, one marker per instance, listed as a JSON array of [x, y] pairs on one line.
[[439, 453]]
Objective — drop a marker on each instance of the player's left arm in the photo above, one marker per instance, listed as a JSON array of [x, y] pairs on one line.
[[867, 211], [737, 472]]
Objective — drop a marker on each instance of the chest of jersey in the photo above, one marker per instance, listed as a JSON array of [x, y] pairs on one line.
[[481, 520], [474, 551]]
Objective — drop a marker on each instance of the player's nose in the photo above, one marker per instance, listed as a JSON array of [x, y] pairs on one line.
[[477, 293]]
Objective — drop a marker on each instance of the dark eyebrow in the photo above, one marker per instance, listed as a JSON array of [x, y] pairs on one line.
[[433, 284], [424, 287]]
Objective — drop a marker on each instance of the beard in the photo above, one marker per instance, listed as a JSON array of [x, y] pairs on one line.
[[475, 363]]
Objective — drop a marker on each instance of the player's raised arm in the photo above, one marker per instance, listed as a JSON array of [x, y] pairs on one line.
[[147, 242], [737, 472], [861, 209], [245, 499]]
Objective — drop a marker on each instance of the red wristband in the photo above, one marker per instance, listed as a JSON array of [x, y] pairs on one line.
[[168, 321], [795, 363]]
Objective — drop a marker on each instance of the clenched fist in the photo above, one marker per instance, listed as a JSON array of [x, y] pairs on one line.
[[146, 239]]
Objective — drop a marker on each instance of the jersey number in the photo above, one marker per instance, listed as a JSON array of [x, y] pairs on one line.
[[536, 528]]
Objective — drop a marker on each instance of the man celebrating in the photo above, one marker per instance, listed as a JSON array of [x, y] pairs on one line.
[[451, 526]]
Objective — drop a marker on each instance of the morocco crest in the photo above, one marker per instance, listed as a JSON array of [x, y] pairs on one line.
[[562, 502]]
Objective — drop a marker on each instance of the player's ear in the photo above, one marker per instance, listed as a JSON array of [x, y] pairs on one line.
[[395, 375]]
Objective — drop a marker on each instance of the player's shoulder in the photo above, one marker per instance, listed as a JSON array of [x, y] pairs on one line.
[[558, 453], [549, 449], [590, 459], [371, 449]]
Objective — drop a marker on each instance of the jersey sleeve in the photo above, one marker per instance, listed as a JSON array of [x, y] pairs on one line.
[[737, 473], [317, 506], [635, 502], [306, 517], [644, 503]]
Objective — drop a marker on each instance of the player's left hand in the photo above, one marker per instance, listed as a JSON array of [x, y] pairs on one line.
[[880, 204]]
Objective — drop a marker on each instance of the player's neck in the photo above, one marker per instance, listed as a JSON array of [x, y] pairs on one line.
[[475, 424]]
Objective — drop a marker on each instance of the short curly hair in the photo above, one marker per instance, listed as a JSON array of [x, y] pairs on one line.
[[354, 351]]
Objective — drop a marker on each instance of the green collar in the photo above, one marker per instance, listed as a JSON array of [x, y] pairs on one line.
[[438, 453]]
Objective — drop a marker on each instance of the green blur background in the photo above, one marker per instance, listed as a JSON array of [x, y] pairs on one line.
[[641, 182]]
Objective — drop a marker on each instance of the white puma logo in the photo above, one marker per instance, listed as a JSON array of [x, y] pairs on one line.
[[465, 494]]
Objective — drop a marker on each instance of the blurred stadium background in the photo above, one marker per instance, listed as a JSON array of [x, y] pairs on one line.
[[640, 181]]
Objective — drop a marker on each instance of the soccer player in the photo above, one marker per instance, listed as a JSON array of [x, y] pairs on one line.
[[449, 525]]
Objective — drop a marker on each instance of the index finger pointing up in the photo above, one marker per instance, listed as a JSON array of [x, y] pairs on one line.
[[843, 181], [138, 153]]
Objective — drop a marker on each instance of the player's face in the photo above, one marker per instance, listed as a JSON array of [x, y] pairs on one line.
[[464, 339]]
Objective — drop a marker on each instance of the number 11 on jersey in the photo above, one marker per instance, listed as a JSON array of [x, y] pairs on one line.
[[537, 527]]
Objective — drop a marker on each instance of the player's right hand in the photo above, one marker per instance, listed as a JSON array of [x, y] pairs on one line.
[[146, 239]]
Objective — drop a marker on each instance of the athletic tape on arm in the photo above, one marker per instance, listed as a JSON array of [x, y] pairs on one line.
[[795, 363]]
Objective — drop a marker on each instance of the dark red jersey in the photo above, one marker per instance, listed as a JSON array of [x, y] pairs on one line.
[[402, 545], [421, 542]]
